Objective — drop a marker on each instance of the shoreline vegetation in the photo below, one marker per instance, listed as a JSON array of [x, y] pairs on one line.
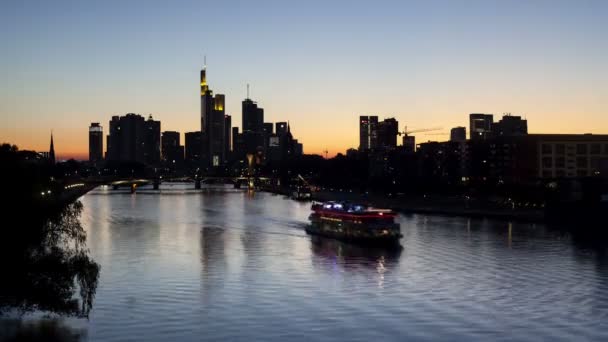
[[46, 265]]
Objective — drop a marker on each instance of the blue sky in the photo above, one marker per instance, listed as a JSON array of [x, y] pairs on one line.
[[318, 64]]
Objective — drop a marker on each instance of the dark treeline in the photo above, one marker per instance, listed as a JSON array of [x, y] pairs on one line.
[[42, 249]]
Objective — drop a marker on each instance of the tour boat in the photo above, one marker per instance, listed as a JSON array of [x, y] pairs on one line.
[[354, 223]]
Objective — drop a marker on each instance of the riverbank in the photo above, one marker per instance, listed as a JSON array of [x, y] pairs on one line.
[[435, 205]]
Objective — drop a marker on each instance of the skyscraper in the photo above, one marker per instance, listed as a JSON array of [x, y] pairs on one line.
[[510, 126], [95, 143], [480, 126], [368, 132], [193, 147], [281, 128], [131, 138], [213, 150], [151, 141], [458, 134], [253, 126], [387, 133], [237, 142], [409, 143], [171, 151], [227, 136]]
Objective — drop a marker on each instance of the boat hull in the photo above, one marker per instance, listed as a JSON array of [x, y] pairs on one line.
[[386, 235]]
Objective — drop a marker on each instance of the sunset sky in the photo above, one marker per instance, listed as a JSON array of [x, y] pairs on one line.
[[318, 64]]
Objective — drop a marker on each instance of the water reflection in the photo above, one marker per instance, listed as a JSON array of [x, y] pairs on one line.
[[48, 268], [181, 265], [349, 256]]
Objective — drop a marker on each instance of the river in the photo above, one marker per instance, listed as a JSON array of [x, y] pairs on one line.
[[181, 265]]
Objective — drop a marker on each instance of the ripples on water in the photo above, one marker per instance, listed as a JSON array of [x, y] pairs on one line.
[[180, 265]]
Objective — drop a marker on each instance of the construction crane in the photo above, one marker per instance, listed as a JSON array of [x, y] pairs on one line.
[[303, 180], [444, 133], [407, 132]]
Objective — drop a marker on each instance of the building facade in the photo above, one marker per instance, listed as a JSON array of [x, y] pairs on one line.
[[172, 151], [131, 138], [480, 126], [213, 121], [510, 126], [368, 133], [193, 142], [388, 129], [95, 143], [458, 134]]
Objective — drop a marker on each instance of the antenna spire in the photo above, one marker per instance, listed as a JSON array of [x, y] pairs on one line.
[[205, 62], [247, 90]]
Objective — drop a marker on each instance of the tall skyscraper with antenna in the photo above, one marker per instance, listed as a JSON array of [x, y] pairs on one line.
[[213, 118]]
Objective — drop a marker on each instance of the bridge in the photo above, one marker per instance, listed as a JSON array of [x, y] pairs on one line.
[[134, 183]]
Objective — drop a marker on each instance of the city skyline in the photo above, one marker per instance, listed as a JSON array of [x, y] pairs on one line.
[[540, 60]]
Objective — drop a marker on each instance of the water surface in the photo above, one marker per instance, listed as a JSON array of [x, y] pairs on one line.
[[227, 265]]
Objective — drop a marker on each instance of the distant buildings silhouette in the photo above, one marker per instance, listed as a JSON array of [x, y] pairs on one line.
[[131, 138], [214, 148], [497, 153]]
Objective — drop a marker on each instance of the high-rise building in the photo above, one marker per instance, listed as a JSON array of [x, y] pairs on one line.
[[131, 138], [409, 143], [237, 148], [151, 141], [268, 128], [458, 134], [126, 138], [171, 151], [95, 143], [368, 132], [227, 136], [213, 117], [387, 133], [253, 127], [480, 126], [253, 117], [281, 128], [193, 147], [267, 133], [298, 148], [510, 126]]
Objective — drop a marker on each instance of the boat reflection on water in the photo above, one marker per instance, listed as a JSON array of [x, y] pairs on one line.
[[351, 256]]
